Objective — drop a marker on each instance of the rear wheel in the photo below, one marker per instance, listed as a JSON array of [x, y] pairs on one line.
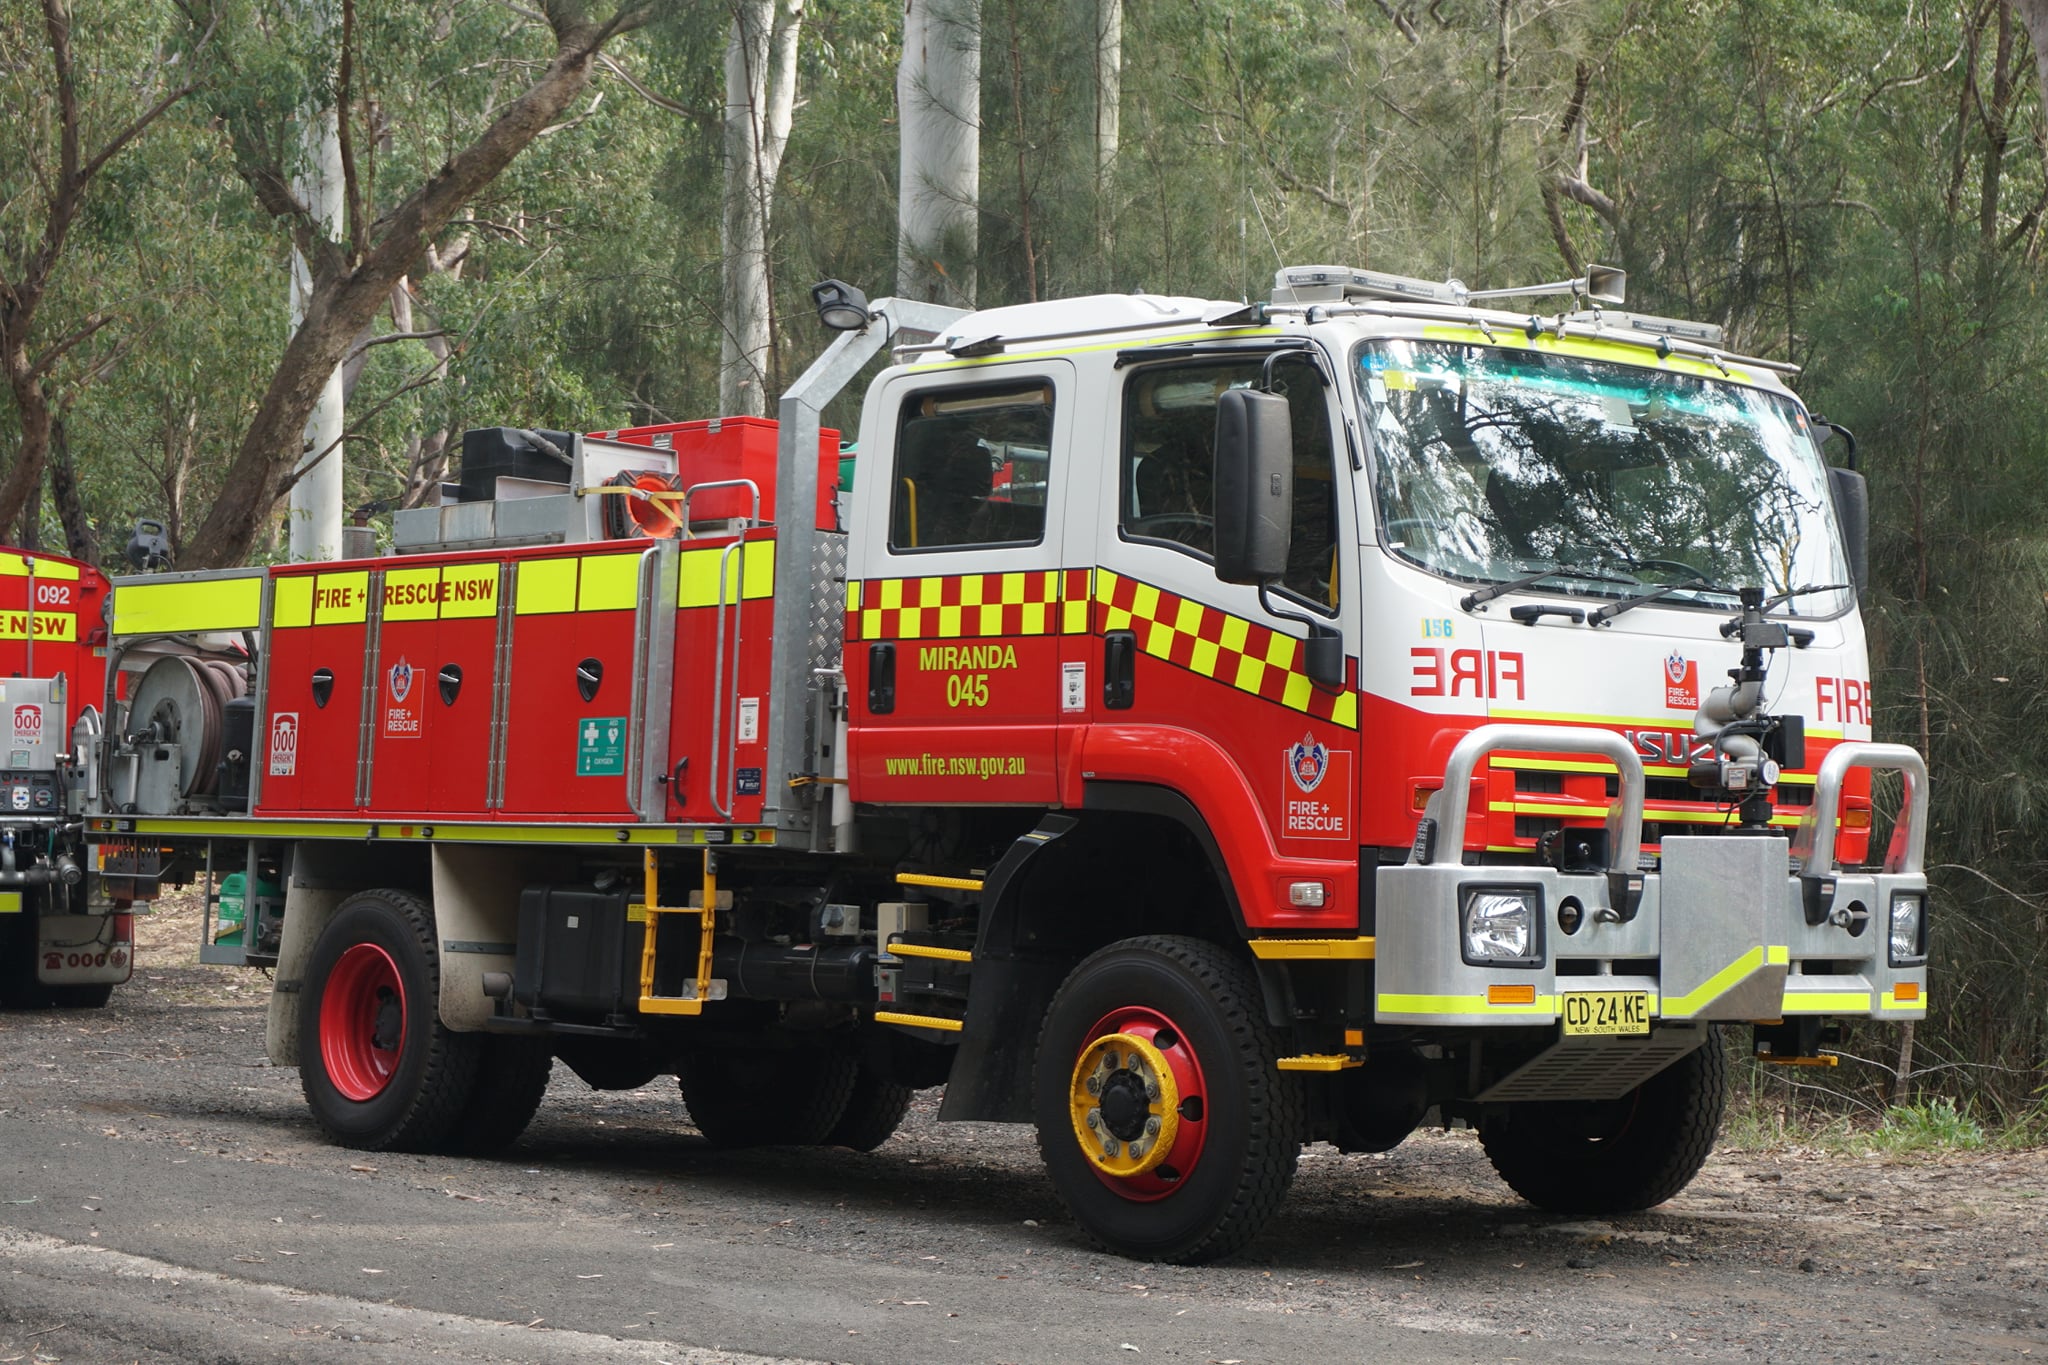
[[767, 1099], [1165, 1124], [1614, 1156], [512, 1077], [872, 1112], [379, 1069]]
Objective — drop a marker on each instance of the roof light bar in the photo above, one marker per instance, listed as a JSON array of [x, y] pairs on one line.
[[1642, 324], [1338, 283]]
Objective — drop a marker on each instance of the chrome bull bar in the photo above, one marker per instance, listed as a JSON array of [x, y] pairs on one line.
[[1723, 930]]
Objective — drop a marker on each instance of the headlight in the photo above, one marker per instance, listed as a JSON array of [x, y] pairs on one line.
[[1909, 929], [1498, 925]]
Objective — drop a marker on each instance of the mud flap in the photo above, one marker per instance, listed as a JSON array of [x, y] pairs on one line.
[[1722, 940]]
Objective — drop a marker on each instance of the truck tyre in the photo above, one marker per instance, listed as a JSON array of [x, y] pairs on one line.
[[1613, 1156], [872, 1112], [767, 1099], [511, 1078], [19, 988], [1164, 1122], [380, 1070]]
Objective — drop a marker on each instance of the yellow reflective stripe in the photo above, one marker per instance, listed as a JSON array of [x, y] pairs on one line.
[[1314, 949], [341, 599], [1826, 1002], [1681, 1006], [546, 586], [16, 566], [468, 591], [749, 575], [1890, 1002], [358, 830], [291, 601], [1391, 1003], [10, 902], [142, 607], [1628, 353], [1652, 814], [609, 583], [60, 626], [757, 578], [409, 594]]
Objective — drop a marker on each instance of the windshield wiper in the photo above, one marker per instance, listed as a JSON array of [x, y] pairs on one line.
[[1480, 596], [1600, 616]]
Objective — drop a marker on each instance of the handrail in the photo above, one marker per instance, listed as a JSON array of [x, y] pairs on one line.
[[1450, 806], [696, 488], [1814, 842], [724, 806]]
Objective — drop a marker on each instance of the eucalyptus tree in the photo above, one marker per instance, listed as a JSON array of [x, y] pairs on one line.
[[393, 212], [79, 98]]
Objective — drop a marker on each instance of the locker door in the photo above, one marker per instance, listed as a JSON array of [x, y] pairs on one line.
[[318, 642], [569, 708]]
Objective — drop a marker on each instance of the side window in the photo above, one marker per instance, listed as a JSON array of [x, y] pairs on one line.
[[1168, 471], [971, 468]]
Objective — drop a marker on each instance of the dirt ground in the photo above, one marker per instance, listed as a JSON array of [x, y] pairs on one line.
[[1791, 1252]]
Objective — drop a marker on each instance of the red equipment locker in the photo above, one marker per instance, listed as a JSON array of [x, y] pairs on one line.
[[720, 448], [318, 639], [569, 708]]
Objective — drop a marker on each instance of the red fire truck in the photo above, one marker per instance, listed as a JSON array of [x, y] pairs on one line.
[[1201, 729], [53, 671]]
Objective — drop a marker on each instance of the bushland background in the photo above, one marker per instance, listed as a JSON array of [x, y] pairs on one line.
[[583, 216]]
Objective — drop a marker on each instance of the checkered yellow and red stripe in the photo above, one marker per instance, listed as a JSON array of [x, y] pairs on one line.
[[1190, 635]]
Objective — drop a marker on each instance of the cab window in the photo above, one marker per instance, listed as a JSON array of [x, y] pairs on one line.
[[971, 468], [1169, 456]]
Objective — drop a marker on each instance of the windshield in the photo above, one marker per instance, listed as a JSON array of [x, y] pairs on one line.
[[1493, 465]]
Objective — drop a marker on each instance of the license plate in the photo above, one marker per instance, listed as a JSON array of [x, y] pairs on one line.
[[1606, 1013]]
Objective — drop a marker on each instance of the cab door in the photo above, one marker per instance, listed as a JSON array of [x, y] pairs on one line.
[[1203, 686], [953, 603]]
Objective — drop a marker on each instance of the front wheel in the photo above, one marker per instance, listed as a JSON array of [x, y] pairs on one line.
[[380, 1070], [1164, 1122], [1613, 1156]]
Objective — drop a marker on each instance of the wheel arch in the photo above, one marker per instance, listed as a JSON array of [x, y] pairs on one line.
[[324, 873], [1082, 862]]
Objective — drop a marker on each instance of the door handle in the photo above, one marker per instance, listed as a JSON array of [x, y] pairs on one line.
[[1119, 670], [882, 677]]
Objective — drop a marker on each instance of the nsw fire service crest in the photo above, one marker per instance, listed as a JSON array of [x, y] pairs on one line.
[[402, 708], [1307, 763]]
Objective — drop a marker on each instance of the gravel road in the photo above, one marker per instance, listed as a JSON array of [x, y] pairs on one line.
[[164, 1197]]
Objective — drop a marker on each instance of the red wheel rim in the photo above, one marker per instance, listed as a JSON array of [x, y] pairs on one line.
[[1167, 1041], [362, 1022]]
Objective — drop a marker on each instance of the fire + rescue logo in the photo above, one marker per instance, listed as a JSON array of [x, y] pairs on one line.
[[402, 712], [1681, 683], [1307, 762]]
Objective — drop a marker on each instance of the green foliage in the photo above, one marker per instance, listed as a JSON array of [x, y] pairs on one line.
[[1934, 1125]]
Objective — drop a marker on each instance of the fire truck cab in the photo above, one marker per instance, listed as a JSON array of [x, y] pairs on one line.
[[1200, 729]]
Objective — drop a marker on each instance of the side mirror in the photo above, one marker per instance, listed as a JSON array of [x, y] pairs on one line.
[[1254, 486], [1852, 510]]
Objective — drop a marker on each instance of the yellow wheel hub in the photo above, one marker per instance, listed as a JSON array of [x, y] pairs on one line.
[[1125, 1105]]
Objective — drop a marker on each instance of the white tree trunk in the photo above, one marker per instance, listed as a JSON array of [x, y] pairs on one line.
[[938, 105], [760, 100], [2035, 15], [1109, 86], [317, 496]]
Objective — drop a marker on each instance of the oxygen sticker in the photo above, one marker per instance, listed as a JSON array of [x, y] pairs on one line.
[[601, 746], [284, 744], [1681, 683], [1319, 804], [402, 701]]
